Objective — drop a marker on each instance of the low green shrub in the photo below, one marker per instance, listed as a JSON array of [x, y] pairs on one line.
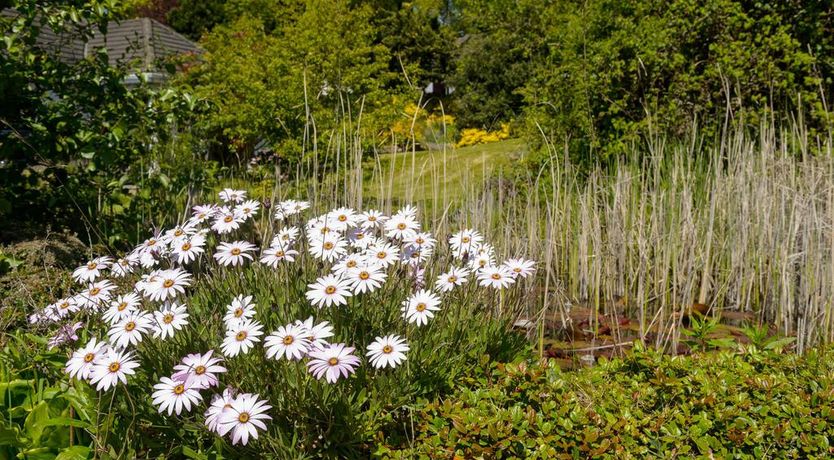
[[754, 404]]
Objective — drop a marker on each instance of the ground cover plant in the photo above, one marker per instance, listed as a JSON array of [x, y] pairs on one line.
[[312, 341], [743, 404]]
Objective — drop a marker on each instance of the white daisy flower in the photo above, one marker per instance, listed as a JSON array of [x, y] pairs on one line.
[[169, 320], [180, 231], [168, 284], [401, 226], [342, 218], [366, 278], [234, 253], [175, 395], [242, 337], [496, 277], [96, 294], [359, 238], [328, 248], [111, 368], [372, 219], [188, 248], [219, 405], [316, 333], [92, 270], [422, 240], [347, 263], [130, 330], [289, 208], [122, 307], [415, 256], [288, 341], [387, 351], [241, 309], [383, 254], [328, 291], [247, 209], [80, 364], [451, 279], [274, 255], [481, 261], [124, 265], [202, 213], [420, 307], [465, 242], [226, 221], [520, 267], [199, 369], [408, 211], [228, 195], [332, 362], [285, 236], [65, 307], [244, 418]]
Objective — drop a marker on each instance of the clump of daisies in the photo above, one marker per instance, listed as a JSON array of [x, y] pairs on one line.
[[133, 303]]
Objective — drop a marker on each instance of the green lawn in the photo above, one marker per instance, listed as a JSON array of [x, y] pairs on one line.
[[428, 174]]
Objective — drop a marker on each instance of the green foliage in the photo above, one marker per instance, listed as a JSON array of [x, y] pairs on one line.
[[612, 70], [43, 416], [717, 405], [78, 145], [322, 70]]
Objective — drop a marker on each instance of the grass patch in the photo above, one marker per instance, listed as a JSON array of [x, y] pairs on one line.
[[433, 175]]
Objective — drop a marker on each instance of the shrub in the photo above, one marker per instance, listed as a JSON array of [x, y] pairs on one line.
[[337, 418], [717, 405]]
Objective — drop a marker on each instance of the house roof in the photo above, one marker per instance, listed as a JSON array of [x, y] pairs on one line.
[[139, 43]]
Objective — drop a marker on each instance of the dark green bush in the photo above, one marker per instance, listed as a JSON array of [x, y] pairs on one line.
[[717, 405]]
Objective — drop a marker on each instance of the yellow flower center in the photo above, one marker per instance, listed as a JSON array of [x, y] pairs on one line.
[[89, 357], [333, 361], [288, 340], [387, 349], [167, 318], [453, 278], [114, 367], [243, 417], [330, 289], [419, 241], [465, 239], [420, 307], [122, 306], [130, 326], [240, 336], [279, 253], [151, 242], [228, 219], [178, 232], [364, 275], [238, 312], [327, 245], [496, 276], [92, 266], [167, 283], [186, 246], [517, 269], [359, 236], [342, 218], [482, 262], [381, 255], [179, 389], [371, 218], [351, 263], [235, 252], [65, 305], [401, 226], [95, 291], [200, 370]]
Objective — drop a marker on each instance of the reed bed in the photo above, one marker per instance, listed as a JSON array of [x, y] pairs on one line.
[[740, 223]]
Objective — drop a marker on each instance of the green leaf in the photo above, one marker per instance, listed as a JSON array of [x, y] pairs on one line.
[[36, 421], [779, 343], [75, 453]]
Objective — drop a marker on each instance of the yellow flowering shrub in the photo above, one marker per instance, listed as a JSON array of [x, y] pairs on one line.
[[474, 136]]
